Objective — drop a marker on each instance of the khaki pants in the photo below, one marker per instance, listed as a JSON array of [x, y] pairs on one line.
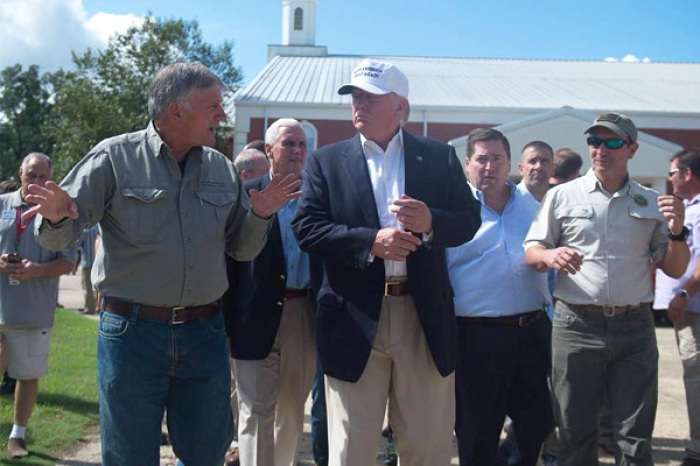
[[88, 291], [421, 402], [272, 391], [688, 338]]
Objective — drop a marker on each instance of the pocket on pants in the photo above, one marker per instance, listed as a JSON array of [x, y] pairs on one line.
[[563, 319], [112, 325], [38, 342]]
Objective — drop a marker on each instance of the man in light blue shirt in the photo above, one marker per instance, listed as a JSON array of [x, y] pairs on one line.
[[681, 297], [499, 302]]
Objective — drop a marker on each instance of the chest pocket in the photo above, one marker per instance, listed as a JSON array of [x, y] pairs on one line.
[[145, 212], [574, 216], [645, 219], [217, 207]]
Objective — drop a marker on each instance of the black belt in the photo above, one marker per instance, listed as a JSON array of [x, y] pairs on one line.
[[519, 320], [176, 315], [297, 293]]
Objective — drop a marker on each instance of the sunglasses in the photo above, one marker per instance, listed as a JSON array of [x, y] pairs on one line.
[[671, 172], [614, 143]]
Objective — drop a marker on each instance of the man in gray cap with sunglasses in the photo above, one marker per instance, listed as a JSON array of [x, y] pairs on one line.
[[599, 232], [378, 210]]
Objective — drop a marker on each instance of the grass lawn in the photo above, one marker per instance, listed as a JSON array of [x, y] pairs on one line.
[[67, 402]]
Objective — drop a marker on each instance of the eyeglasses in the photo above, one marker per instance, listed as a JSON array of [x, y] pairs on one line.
[[614, 143]]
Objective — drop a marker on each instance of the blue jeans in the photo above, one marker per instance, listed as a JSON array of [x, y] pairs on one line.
[[593, 354], [145, 367], [319, 420]]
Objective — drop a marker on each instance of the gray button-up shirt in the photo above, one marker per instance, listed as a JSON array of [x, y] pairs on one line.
[[618, 234], [164, 231], [31, 303]]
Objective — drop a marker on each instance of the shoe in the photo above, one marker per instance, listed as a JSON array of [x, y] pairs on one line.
[[690, 462], [16, 448], [391, 460], [232, 459], [88, 312], [7, 387]]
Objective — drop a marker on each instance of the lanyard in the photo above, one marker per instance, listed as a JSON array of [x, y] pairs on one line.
[[20, 226]]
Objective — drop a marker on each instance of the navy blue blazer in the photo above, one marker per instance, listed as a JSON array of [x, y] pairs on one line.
[[255, 298], [337, 221]]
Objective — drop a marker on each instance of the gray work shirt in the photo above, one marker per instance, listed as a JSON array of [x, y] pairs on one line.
[[618, 234], [31, 303], [164, 232]]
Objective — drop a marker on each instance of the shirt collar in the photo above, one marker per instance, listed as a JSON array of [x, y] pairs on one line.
[[399, 134], [154, 140], [480, 195], [159, 147], [694, 200], [16, 199], [592, 183]]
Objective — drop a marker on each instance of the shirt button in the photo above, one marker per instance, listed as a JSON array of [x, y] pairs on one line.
[[282, 277], [279, 303]]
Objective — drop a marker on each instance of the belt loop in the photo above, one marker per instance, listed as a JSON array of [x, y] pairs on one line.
[[134, 313]]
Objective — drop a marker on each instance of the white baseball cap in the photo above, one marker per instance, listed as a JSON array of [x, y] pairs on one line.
[[377, 77]]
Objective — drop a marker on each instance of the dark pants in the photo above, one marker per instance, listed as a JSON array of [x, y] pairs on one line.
[[593, 354], [502, 371], [319, 421]]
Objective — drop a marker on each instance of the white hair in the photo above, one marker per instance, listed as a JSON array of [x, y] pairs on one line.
[[273, 130]]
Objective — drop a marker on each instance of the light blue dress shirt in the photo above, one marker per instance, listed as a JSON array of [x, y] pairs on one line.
[[667, 287], [298, 275], [488, 273]]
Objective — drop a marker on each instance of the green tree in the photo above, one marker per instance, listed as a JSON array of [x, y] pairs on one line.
[[24, 108], [106, 94]]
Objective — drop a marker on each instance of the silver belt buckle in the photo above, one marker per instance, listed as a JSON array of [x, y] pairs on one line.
[[173, 317], [609, 311]]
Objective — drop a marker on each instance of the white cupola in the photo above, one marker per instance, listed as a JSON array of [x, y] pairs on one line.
[[299, 22], [298, 31]]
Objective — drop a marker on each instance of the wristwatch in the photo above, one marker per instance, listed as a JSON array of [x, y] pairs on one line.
[[684, 295], [682, 236]]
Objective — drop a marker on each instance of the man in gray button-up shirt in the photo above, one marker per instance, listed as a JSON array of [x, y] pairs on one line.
[[28, 291], [169, 207], [600, 233]]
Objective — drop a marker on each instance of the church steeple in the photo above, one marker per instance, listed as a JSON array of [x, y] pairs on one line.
[[298, 31], [299, 22]]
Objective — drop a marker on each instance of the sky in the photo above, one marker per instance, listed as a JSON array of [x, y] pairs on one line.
[[44, 32]]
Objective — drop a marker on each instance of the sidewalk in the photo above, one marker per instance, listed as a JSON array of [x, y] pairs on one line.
[[669, 434]]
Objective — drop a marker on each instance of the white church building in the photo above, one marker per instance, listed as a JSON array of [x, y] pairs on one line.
[[548, 100]]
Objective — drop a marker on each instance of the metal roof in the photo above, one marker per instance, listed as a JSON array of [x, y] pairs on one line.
[[489, 83]]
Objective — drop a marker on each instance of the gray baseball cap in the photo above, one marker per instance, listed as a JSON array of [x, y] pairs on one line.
[[618, 123]]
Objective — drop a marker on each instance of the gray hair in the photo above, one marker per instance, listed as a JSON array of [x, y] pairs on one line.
[[246, 158], [174, 82], [274, 129], [36, 155]]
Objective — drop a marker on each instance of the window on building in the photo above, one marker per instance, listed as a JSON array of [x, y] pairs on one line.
[[311, 135], [298, 19]]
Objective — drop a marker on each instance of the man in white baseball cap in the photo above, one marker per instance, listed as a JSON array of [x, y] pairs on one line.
[[378, 210]]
